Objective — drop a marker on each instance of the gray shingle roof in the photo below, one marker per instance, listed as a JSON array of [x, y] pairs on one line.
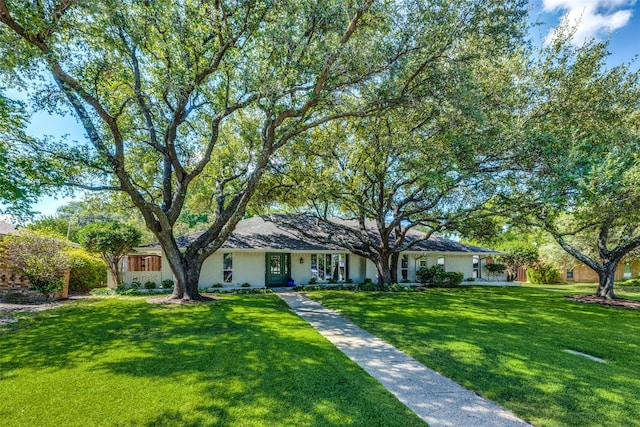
[[285, 232]]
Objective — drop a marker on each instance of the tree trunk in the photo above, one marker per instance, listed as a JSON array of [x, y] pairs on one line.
[[186, 273], [394, 267], [606, 278], [384, 272]]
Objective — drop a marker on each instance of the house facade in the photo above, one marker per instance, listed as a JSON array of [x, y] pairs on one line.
[[581, 273], [266, 253]]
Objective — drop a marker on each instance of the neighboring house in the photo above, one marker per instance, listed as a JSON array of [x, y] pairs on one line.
[[265, 253], [580, 273], [11, 282]]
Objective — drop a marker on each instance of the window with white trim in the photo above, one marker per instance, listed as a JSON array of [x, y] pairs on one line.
[[227, 267], [404, 267], [327, 267]]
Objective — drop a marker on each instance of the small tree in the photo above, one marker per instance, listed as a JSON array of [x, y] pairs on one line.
[[517, 255], [113, 241], [42, 259]]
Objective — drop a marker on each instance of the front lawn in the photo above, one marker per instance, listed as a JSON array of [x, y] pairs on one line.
[[241, 361], [508, 344]]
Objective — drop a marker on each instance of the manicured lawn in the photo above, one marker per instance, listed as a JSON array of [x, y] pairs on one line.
[[508, 344], [242, 361]]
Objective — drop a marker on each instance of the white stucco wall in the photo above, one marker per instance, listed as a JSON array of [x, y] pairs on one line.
[[248, 267]]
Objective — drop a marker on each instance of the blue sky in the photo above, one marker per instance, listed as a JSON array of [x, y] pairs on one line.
[[618, 20]]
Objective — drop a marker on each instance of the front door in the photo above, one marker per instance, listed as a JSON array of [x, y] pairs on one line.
[[278, 265]]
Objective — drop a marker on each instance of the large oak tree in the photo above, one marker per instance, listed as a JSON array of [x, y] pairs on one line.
[[581, 175]]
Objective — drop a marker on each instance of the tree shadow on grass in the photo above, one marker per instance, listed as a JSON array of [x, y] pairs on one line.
[[508, 344], [246, 360]]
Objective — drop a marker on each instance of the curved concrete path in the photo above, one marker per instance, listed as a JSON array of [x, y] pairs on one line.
[[433, 397]]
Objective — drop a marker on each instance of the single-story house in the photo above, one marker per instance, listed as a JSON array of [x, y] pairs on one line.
[[581, 273], [266, 253]]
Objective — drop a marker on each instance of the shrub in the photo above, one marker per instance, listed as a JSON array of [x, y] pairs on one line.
[[217, 285], [149, 284], [366, 280], [629, 282], [543, 273], [40, 258], [313, 281], [135, 284], [496, 268], [245, 285], [102, 291], [87, 270], [332, 280], [166, 284], [436, 277], [348, 280]]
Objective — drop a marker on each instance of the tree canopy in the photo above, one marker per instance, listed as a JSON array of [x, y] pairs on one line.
[[195, 97], [581, 159], [113, 241]]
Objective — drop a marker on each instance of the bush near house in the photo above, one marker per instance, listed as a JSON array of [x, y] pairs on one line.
[[87, 271], [42, 259], [543, 273], [436, 277]]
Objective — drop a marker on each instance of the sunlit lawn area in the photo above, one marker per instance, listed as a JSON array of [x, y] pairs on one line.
[[508, 344], [242, 361]]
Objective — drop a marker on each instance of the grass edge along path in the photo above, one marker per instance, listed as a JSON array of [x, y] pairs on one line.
[[508, 345], [241, 361]]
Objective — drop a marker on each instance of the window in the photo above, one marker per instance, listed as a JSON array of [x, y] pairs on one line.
[[570, 274], [326, 267], [422, 262], [441, 261], [144, 263], [626, 272], [476, 267], [404, 267], [227, 267]]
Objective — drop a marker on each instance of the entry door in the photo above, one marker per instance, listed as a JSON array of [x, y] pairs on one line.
[[278, 265]]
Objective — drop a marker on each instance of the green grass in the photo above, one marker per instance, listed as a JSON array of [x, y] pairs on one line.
[[508, 345], [242, 361]]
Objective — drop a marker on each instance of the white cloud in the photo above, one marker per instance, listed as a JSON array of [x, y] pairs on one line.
[[589, 18]]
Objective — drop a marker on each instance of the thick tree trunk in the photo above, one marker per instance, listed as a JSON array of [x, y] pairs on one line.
[[394, 267], [384, 271], [606, 278], [186, 273]]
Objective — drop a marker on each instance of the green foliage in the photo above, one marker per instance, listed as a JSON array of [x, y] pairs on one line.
[[167, 284], [149, 284], [366, 280], [135, 284], [517, 254], [24, 175], [87, 271], [495, 267], [543, 273], [42, 259], [629, 282], [312, 281], [245, 285], [112, 240], [436, 277]]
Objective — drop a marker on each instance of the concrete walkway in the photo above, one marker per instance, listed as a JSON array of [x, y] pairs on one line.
[[434, 398]]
